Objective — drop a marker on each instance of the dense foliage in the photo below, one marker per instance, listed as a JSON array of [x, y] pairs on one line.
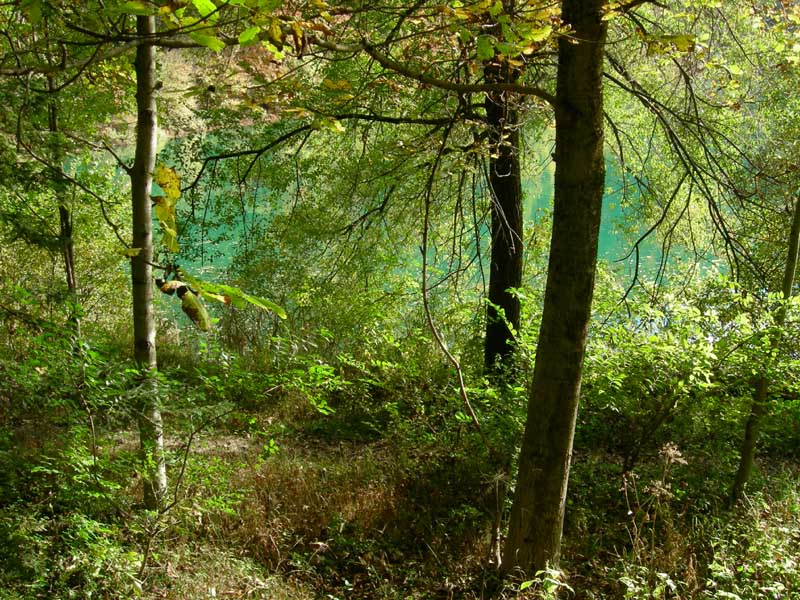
[[324, 214]]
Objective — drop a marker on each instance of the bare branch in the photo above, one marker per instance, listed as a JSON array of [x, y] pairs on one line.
[[436, 334]]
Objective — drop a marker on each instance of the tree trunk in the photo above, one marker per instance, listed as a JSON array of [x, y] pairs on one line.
[[151, 434], [760, 405], [751, 431], [505, 186], [64, 213], [68, 249], [506, 263], [536, 521]]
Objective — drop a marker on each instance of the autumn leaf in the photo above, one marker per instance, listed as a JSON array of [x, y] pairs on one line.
[[170, 287], [170, 238], [169, 181], [336, 84]]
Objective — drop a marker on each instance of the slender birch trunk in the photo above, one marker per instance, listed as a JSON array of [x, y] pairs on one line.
[[151, 433]]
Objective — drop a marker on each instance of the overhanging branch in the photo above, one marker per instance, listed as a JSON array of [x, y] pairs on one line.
[[463, 88]]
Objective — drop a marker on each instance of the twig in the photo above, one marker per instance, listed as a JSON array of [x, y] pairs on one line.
[[428, 316]]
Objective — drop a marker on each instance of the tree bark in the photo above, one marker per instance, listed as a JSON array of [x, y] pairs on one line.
[[760, 407], [151, 434], [65, 235], [506, 261], [505, 186], [534, 537]]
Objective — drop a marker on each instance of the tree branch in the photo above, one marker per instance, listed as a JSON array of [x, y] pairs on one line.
[[392, 65]]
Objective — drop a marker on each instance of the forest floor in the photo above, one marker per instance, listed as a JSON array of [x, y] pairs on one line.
[[284, 502]]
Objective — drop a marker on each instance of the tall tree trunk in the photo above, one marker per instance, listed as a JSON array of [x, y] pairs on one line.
[[537, 514], [505, 186], [64, 213], [151, 434], [506, 263], [760, 406]]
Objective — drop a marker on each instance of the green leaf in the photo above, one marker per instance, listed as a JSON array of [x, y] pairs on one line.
[[509, 35], [206, 8], [230, 295], [32, 10], [538, 34], [209, 41], [249, 34], [485, 47], [507, 49], [525, 585], [194, 309], [137, 8], [265, 304], [130, 252], [277, 54], [735, 70], [170, 239], [683, 43]]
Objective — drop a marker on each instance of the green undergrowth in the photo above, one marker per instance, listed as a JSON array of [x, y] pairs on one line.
[[652, 533], [358, 477]]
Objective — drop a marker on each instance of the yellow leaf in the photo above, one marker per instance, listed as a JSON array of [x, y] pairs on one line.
[[169, 181], [328, 124], [659, 44], [336, 84], [165, 210], [300, 112], [298, 31], [170, 287], [170, 238], [130, 252], [540, 34], [218, 297], [275, 33], [683, 43]]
